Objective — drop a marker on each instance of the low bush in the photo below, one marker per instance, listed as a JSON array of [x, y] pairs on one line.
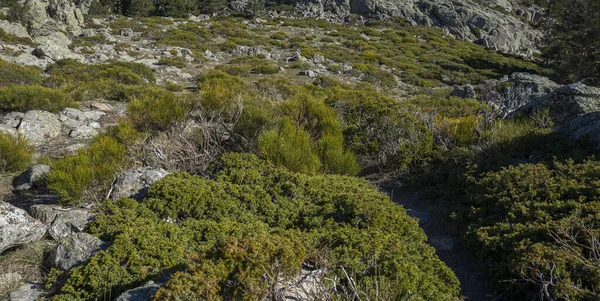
[[24, 98], [159, 112], [14, 74], [535, 228], [175, 62], [86, 175], [15, 153], [252, 227]]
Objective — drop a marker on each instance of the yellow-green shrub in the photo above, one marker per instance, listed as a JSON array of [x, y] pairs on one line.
[[290, 146], [87, 173], [24, 98], [159, 112], [15, 74], [15, 153]]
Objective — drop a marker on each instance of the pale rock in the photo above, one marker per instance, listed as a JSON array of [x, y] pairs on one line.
[[37, 126], [17, 227], [135, 183]]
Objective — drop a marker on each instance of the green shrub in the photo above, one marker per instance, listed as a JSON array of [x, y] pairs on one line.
[[87, 174], [175, 62], [220, 92], [14, 74], [24, 98], [536, 219], [15, 153], [253, 224], [291, 147], [159, 112]]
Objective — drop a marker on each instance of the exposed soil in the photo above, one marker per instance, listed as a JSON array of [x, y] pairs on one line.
[[474, 283]]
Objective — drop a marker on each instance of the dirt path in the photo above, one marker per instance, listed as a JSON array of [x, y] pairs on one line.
[[473, 281]]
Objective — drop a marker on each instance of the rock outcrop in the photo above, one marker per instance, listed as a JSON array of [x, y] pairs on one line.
[[141, 293], [45, 17], [492, 25], [135, 183], [17, 227], [32, 177], [74, 250]]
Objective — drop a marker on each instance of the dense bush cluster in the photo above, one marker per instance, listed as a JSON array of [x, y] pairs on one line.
[[253, 226], [536, 227]]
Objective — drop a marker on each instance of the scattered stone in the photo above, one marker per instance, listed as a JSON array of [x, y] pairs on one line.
[[67, 222], [126, 32], [308, 73], [318, 59], [35, 176], [101, 106], [74, 250], [28, 292], [74, 147], [17, 227], [251, 51], [89, 33], [135, 183], [141, 293], [466, 91], [83, 132]]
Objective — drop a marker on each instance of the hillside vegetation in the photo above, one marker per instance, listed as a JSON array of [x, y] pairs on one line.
[[273, 169]]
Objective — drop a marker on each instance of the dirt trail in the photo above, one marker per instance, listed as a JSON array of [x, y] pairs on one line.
[[474, 283]]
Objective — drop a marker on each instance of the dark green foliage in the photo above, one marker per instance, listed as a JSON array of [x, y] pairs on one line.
[[138, 8], [88, 173], [24, 98], [383, 135], [538, 223], [176, 8], [573, 45], [255, 217], [15, 153]]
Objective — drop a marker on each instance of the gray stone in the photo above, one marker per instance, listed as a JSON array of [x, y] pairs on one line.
[[74, 250], [58, 38], [308, 73], [472, 21], [38, 126], [35, 176], [72, 114], [17, 227], [83, 132], [89, 33], [101, 106], [93, 115], [27, 292], [126, 32], [141, 293], [13, 119], [68, 222], [135, 183], [251, 51], [7, 129], [74, 147], [15, 29], [466, 91], [318, 59], [57, 52]]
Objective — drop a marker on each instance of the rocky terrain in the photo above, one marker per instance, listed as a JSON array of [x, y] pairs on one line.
[[52, 231]]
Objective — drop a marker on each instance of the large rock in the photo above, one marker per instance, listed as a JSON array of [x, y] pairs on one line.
[[472, 21], [17, 227], [63, 222], [48, 16], [141, 293], [15, 29], [56, 51], [73, 250], [37, 126], [524, 93], [32, 177], [251, 51], [135, 183]]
